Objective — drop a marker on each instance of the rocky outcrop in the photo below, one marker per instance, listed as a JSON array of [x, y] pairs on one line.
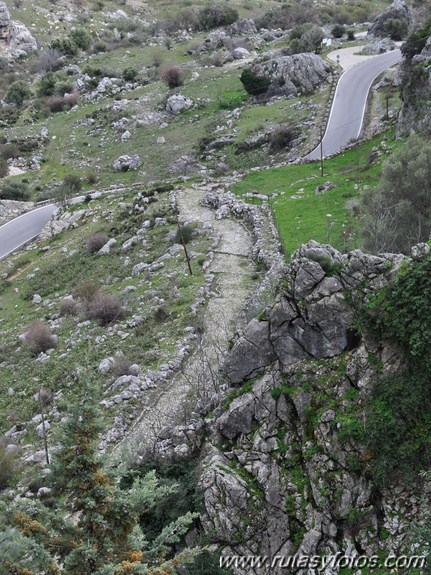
[[398, 10], [292, 75], [312, 319], [280, 475], [177, 103], [379, 47], [415, 114], [10, 209], [126, 163], [16, 39]]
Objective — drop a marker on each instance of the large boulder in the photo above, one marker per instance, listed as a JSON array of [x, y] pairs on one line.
[[292, 75], [4, 15], [126, 163], [21, 42], [398, 10], [177, 103]]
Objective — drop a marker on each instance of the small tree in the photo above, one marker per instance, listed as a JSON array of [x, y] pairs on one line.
[[397, 214], [47, 85], [93, 528], [18, 92]]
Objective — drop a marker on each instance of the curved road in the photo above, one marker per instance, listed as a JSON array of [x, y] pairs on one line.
[[22, 229], [350, 100], [345, 122]]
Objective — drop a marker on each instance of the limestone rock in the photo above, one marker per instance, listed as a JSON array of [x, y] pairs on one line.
[[177, 103], [126, 163], [292, 75], [398, 10]]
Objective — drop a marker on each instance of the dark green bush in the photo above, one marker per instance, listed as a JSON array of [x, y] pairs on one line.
[[129, 74], [216, 16], [397, 428], [47, 85], [396, 29], [15, 191], [253, 84], [65, 45], [338, 31], [17, 93], [4, 168], [81, 38]]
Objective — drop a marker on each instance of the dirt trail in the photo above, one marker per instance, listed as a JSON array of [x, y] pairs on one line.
[[232, 269]]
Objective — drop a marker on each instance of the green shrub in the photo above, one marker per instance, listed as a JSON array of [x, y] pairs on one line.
[[15, 191], [17, 93], [4, 168], [47, 85], [396, 29], [338, 31], [81, 38], [9, 151], [65, 45], [398, 423], [9, 467], [254, 84], [129, 74], [216, 16]]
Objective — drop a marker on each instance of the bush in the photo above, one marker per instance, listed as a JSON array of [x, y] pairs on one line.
[[47, 85], [81, 38], [281, 137], [49, 60], [4, 168], [216, 16], [95, 242], [63, 88], [129, 74], [15, 191], [396, 29], [87, 291], [254, 84], [9, 151], [105, 308], [65, 45], [172, 77], [121, 367], [18, 93], [60, 103], [68, 307], [100, 47], [397, 215], [73, 183], [350, 35], [39, 338], [338, 31], [10, 466], [305, 38]]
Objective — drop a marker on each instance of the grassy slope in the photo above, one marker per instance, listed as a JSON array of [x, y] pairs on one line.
[[302, 215], [59, 271]]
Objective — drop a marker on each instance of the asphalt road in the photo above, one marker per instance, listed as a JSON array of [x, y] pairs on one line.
[[350, 100], [24, 228]]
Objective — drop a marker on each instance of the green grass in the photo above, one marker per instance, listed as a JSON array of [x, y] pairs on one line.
[[301, 215]]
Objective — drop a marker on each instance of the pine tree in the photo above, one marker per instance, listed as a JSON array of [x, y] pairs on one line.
[[94, 527]]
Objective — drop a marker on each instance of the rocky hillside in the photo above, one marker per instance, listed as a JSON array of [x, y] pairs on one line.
[[284, 472]]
